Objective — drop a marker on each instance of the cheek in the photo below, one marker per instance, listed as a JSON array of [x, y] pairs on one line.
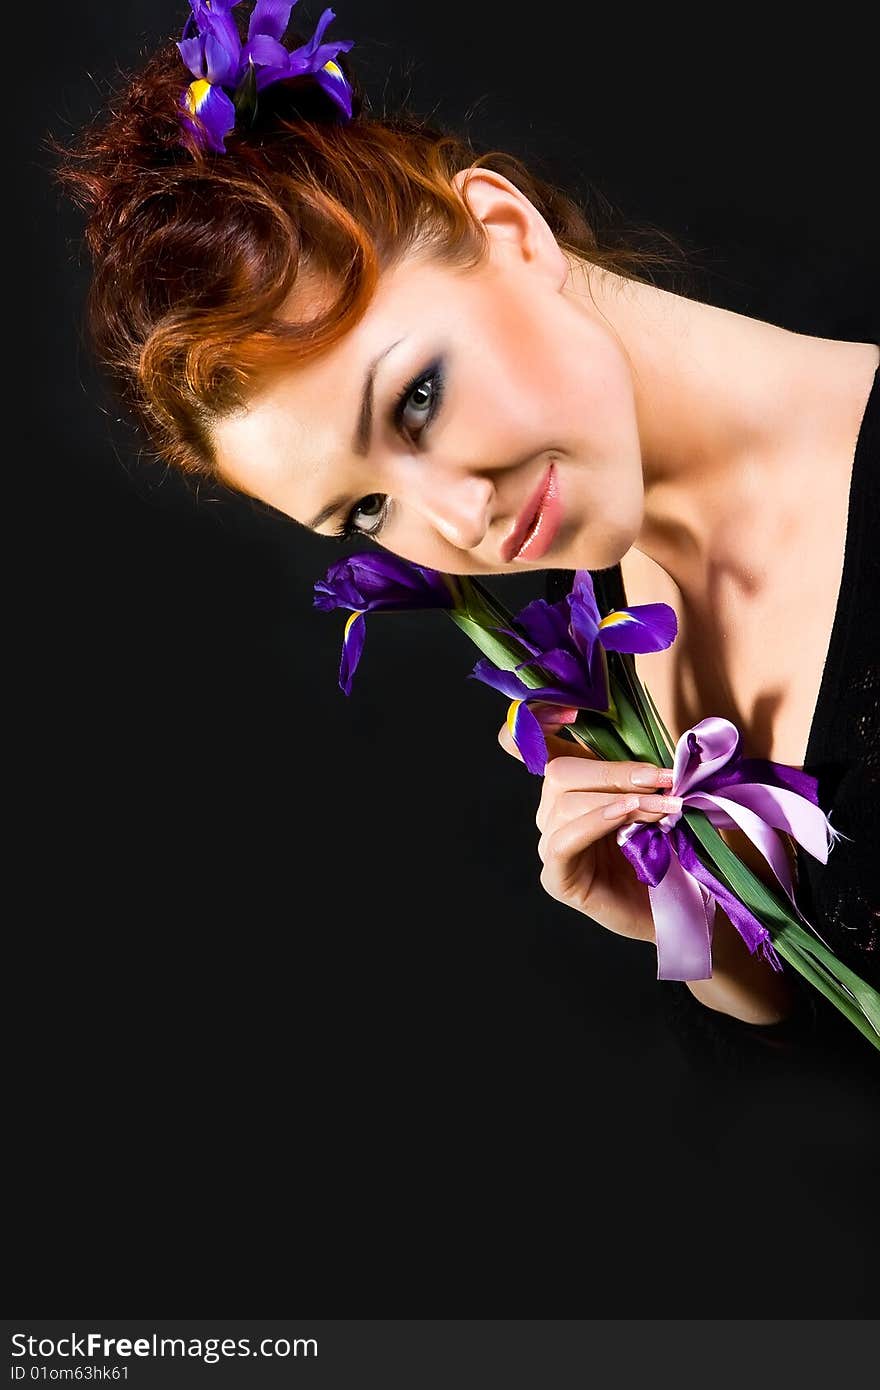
[[551, 380], [502, 413], [514, 387], [601, 464], [593, 391]]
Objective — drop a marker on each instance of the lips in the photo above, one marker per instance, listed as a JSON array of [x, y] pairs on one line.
[[537, 523]]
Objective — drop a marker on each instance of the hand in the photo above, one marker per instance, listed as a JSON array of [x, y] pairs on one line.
[[584, 801], [585, 869]]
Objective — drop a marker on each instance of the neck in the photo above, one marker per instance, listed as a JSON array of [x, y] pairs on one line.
[[732, 413]]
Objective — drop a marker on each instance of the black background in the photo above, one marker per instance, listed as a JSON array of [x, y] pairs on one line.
[[293, 1022]]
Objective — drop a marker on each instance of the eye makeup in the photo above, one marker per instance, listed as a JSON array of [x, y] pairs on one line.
[[431, 376]]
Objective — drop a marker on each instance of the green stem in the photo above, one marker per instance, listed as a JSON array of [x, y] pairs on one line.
[[637, 731], [653, 729], [859, 991], [638, 740], [826, 985], [806, 953], [599, 736], [480, 619]]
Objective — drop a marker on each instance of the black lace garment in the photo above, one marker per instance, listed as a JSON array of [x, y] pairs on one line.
[[841, 898]]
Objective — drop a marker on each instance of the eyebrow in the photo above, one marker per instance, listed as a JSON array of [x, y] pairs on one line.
[[360, 443]]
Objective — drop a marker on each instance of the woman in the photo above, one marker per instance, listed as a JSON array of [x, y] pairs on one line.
[[362, 324]]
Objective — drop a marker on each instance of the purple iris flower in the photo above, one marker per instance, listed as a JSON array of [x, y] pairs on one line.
[[368, 583], [228, 73], [568, 640]]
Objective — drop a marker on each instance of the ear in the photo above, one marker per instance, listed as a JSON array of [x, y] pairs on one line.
[[513, 224]]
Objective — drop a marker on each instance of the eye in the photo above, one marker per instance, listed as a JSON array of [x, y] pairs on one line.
[[421, 398], [373, 508]]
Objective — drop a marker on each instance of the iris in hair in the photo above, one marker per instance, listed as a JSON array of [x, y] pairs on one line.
[[229, 75]]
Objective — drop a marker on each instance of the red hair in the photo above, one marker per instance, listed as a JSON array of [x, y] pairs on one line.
[[196, 254]]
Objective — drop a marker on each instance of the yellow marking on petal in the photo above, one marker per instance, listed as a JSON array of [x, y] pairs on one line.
[[614, 619], [196, 94], [357, 614], [511, 714], [333, 68]]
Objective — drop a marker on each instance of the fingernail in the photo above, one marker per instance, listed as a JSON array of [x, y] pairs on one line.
[[552, 716], [661, 803], [620, 808], [651, 777]]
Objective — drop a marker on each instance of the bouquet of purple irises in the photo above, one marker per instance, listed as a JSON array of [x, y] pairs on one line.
[[567, 655]]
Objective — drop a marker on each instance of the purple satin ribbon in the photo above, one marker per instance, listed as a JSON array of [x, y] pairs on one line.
[[759, 797]]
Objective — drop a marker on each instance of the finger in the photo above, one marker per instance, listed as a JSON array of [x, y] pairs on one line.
[[554, 811], [567, 773], [605, 774], [575, 805], [564, 851], [505, 738], [556, 746]]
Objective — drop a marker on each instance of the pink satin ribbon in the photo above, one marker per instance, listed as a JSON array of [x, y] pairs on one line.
[[755, 795]]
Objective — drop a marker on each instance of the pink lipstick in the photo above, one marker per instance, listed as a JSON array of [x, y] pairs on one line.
[[537, 524]]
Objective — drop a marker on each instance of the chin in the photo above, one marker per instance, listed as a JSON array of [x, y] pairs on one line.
[[600, 552]]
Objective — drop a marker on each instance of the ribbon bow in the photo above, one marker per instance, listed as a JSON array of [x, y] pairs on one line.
[[759, 797]]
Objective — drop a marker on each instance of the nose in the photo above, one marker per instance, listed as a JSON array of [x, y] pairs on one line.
[[457, 503]]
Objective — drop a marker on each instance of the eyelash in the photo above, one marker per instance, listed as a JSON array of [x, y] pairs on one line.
[[433, 375]]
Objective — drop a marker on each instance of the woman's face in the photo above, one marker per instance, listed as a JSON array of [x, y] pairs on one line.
[[462, 404]]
